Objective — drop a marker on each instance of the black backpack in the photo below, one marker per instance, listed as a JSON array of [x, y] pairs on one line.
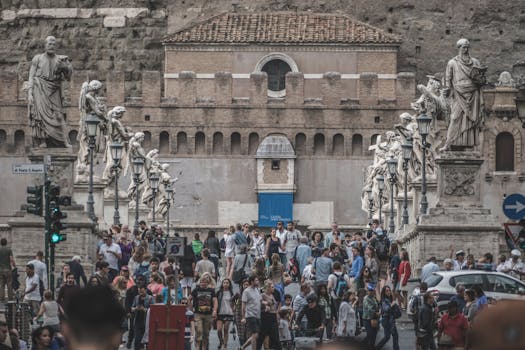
[[382, 247]]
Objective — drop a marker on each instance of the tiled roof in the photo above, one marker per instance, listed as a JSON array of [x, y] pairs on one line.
[[281, 27]]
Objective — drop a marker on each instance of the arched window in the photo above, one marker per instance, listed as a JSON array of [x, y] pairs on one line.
[[164, 142], [276, 65], [200, 143], [357, 145], [300, 143], [217, 143], [147, 140], [73, 134], [319, 148], [182, 143], [253, 143], [505, 152], [373, 140], [338, 145], [20, 140], [236, 143]]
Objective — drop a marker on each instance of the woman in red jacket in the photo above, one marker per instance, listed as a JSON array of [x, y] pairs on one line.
[[404, 275]]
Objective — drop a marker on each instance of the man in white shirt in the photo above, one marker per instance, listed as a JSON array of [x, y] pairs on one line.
[[111, 254], [514, 266], [40, 267], [32, 291], [281, 234], [460, 260]]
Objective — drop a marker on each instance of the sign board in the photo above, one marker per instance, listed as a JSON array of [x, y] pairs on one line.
[[275, 207], [28, 168], [175, 246], [514, 206], [512, 234], [166, 327]]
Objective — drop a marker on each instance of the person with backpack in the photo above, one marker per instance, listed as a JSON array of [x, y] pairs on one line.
[[382, 248], [338, 284], [390, 311], [239, 238], [325, 301]]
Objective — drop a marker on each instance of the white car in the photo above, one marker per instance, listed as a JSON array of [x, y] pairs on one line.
[[495, 285]]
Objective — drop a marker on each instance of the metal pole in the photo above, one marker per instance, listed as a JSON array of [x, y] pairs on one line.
[[154, 195], [116, 216], [47, 221], [168, 218], [392, 225], [405, 199], [370, 208], [90, 201], [424, 202], [380, 206], [137, 178]]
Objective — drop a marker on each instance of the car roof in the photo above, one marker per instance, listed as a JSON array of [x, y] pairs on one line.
[[472, 272]]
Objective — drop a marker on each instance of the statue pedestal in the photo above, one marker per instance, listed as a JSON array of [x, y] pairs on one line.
[[414, 210], [457, 220], [62, 169], [123, 206], [80, 195], [144, 212]]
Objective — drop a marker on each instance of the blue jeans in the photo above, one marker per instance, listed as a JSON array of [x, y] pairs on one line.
[[371, 333], [390, 330]]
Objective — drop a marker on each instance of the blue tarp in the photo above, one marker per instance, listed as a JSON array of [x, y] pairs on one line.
[[275, 207]]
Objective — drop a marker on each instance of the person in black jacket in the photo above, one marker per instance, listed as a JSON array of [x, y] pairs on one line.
[[77, 270], [131, 293], [315, 317], [426, 325]]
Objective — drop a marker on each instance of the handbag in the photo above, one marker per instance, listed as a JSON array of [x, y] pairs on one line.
[[396, 311], [240, 275]]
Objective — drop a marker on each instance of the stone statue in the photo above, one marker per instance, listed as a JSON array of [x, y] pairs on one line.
[[152, 167], [165, 183], [89, 104], [464, 78], [120, 134], [383, 150], [136, 151], [505, 79], [47, 117]]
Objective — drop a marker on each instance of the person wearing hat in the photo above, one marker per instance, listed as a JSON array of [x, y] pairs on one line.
[[315, 316], [448, 264], [514, 266], [459, 262], [371, 314]]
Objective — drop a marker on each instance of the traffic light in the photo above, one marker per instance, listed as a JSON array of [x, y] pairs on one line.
[[55, 216], [34, 200]]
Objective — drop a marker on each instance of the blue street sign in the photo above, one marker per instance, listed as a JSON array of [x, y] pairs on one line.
[[514, 206]]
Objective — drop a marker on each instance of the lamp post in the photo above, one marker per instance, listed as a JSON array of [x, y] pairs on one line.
[[169, 196], [92, 122], [116, 154], [392, 167], [423, 126], [407, 155], [380, 186], [138, 165], [154, 184], [370, 197]]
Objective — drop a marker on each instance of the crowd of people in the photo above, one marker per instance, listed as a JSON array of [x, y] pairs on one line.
[[236, 282]]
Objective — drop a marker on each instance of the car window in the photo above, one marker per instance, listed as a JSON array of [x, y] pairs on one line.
[[502, 284], [468, 281], [433, 280]]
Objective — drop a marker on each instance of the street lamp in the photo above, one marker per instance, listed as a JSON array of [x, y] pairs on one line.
[[154, 184], [423, 127], [169, 196], [138, 165], [392, 169], [380, 186], [92, 122], [407, 155], [370, 197], [116, 154]]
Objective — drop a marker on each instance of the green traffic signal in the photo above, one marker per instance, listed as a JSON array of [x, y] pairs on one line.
[[56, 237]]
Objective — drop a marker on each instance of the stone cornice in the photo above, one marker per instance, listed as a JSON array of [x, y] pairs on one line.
[[281, 48]]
